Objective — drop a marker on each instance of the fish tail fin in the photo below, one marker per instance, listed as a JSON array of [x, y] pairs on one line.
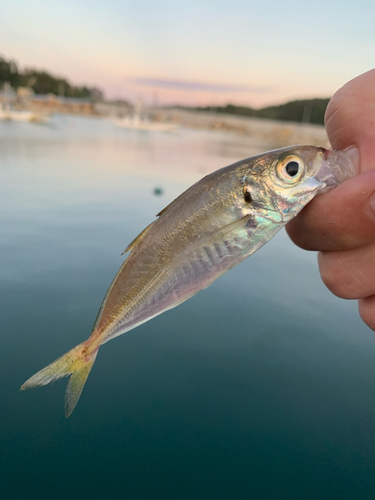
[[77, 363]]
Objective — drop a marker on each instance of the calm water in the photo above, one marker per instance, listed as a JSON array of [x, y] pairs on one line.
[[260, 387]]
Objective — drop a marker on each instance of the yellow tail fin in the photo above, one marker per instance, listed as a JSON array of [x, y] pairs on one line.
[[76, 363]]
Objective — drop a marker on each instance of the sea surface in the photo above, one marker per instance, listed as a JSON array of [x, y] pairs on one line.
[[260, 387]]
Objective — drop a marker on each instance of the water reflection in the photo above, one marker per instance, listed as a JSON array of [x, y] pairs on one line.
[[261, 386]]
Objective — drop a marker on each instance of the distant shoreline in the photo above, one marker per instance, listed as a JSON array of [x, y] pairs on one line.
[[260, 131]]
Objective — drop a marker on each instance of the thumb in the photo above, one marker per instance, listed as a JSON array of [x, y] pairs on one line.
[[350, 120]]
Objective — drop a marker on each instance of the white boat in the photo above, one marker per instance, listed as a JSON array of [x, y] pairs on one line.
[[138, 123], [9, 114], [139, 120]]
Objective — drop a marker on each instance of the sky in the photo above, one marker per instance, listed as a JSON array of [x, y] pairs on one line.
[[195, 52]]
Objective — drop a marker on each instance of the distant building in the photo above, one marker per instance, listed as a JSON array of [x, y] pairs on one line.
[[96, 94], [114, 109], [25, 93], [52, 104], [25, 99]]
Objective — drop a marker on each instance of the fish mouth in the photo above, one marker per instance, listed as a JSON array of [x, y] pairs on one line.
[[336, 167]]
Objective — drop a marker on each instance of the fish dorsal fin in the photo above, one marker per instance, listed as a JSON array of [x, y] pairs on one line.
[[137, 240], [184, 194], [168, 206], [164, 209], [190, 191]]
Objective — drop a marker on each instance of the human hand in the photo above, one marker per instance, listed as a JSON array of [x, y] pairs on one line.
[[341, 223]]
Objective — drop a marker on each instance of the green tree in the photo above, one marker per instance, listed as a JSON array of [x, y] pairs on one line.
[[43, 82], [306, 110], [9, 72]]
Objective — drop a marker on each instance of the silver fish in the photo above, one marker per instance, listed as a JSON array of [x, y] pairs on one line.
[[210, 228]]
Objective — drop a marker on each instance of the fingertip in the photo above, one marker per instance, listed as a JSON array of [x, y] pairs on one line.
[[366, 308], [353, 153], [349, 118], [336, 276], [296, 230], [340, 219]]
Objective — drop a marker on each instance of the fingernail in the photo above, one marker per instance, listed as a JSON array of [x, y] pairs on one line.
[[353, 154], [372, 202]]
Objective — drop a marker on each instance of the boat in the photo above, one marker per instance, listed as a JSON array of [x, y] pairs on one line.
[[138, 123], [7, 113], [140, 120]]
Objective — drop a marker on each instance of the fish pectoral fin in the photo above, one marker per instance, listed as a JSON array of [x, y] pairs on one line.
[[236, 227], [137, 240]]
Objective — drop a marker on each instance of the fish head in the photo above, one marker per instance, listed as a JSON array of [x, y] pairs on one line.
[[281, 182]]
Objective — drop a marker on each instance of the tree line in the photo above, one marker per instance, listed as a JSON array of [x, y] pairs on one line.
[[305, 111], [42, 82]]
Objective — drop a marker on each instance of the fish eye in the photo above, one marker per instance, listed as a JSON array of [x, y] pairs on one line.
[[290, 169]]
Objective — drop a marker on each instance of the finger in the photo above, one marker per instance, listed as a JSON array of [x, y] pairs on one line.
[[367, 311], [341, 219], [350, 119], [349, 274]]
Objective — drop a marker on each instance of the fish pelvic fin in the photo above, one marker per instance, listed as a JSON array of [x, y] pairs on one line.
[[77, 363]]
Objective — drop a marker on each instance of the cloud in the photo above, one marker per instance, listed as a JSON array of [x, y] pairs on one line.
[[196, 86]]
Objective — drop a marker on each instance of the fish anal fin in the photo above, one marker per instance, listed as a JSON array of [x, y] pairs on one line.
[[137, 240]]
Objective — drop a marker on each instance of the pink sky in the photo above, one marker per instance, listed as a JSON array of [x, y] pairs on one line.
[[195, 53]]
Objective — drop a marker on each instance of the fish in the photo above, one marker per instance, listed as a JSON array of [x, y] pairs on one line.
[[210, 228]]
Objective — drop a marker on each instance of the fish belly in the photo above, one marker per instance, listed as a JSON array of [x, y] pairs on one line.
[[194, 269]]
